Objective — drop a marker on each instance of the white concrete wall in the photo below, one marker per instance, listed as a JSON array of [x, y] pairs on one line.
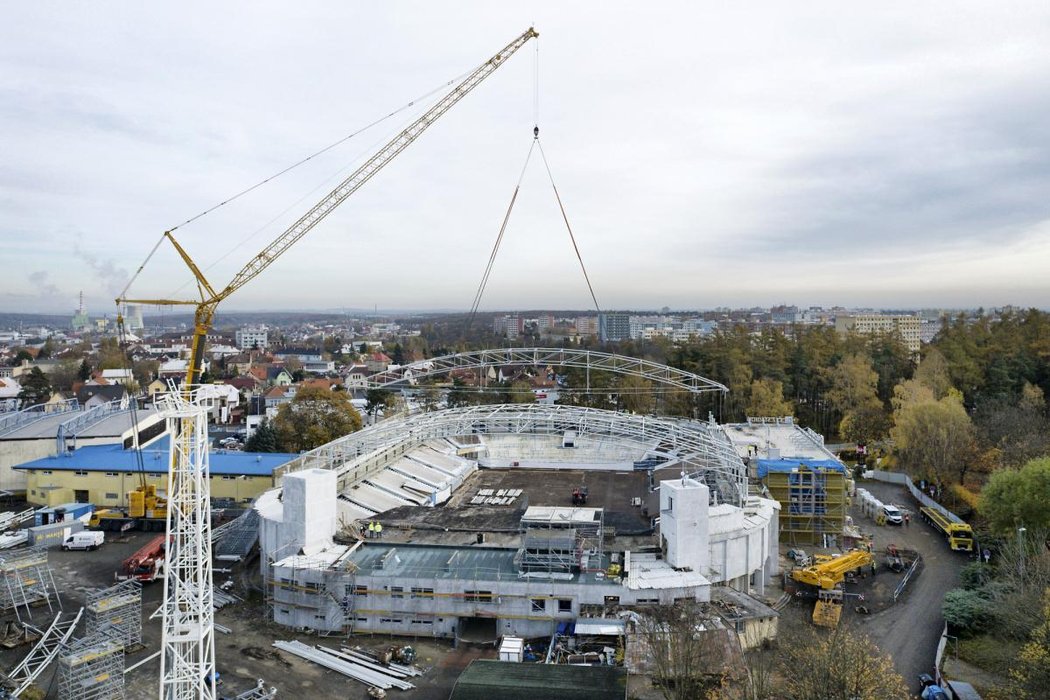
[[684, 524], [310, 512]]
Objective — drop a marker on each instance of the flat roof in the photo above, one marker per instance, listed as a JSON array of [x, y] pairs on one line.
[[485, 679], [757, 437], [398, 561], [114, 458], [114, 425]]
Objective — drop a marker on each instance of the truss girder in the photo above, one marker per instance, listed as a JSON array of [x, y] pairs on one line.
[[188, 639], [45, 651], [547, 357], [700, 447]]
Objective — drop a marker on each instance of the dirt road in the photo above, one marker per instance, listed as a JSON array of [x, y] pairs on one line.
[[910, 630]]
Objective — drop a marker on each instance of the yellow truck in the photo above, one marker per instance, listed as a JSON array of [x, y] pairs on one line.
[[958, 533]]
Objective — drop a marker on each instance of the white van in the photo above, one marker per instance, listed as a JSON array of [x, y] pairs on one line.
[[88, 539], [893, 515]]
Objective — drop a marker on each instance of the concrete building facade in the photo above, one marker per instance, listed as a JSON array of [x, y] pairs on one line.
[[907, 327]]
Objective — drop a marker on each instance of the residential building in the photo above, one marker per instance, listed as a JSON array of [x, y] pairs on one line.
[[118, 376], [510, 326], [90, 396], [613, 327], [907, 327], [248, 338], [587, 325]]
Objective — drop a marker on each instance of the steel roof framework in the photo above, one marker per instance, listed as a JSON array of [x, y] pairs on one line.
[[701, 448], [588, 360]]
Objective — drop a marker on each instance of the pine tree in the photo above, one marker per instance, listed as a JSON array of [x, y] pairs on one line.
[[264, 439], [36, 389], [84, 373]]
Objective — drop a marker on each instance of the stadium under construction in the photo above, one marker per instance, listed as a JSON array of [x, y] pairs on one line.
[[511, 519]]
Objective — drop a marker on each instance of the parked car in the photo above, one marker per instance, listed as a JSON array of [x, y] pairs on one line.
[[893, 514]]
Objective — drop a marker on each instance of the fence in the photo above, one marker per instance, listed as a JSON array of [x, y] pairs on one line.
[[912, 570], [905, 480]]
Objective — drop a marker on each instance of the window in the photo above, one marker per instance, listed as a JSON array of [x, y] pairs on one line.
[[32, 471], [155, 475], [363, 620], [47, 471], [397, 592], [422, 622], [740, 626], [390, 621], [538, 604], [80, 472], [670, 503], [319, 617], [228, 478], [647, 601], [112, 496], [33, 492], [112, 474], [477, 596], [360, 590], [565, 605], [612, 600], [422, 592]]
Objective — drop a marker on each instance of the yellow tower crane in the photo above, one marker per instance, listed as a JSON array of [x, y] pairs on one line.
[[210, 297]]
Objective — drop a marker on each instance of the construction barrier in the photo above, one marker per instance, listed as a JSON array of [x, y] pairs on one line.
[[912, 570]]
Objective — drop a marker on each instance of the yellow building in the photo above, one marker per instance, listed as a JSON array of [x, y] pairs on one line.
[[104, 474]]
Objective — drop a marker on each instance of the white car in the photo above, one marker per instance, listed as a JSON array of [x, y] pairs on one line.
[[893, 515]]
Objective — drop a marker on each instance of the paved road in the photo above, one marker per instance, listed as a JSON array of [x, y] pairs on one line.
[[910, 630]]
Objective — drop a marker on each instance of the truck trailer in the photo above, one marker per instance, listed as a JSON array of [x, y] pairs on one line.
[[958, 533]]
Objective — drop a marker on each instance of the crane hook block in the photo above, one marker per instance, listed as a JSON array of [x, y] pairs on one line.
[[536, 132]]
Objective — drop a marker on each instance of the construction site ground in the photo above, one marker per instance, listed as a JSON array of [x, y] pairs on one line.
[[910, 629], [611, 490], [246, 653]]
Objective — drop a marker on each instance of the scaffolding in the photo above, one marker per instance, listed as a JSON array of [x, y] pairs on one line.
[[92, 669], [813, 503], [27, 579], [42, 654], [117, 612], [561, 540]]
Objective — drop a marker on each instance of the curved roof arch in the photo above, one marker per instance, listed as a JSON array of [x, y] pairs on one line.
[[545, 357]]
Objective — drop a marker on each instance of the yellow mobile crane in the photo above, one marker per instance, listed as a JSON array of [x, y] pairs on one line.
[[204, 308], [828, 576]]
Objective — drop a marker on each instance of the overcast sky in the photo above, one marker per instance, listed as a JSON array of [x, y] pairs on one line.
[[886, 155]]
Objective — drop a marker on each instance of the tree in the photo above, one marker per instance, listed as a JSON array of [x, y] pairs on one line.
[[264, 439], [63, 375], [842, 665], [679, 647], [865, 424], [20, 357], [520, 392], [314, 417], [935, 438], [636, 394], [1030, 677], [145, 371], [1016, 497], [36, 388], [853, 384], [967, 611], [84, 372], [767, 399], [110, 356]]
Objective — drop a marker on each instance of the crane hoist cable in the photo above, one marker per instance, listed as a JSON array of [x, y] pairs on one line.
[[503, 228], [285, 171]]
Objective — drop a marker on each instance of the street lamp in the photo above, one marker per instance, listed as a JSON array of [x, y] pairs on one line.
[[1020, 549]]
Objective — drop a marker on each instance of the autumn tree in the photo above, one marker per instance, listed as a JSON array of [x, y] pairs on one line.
[[767, 399], [63, 376], [1030, 676], [842, 665], [110, 356], [854, 393], [636, 394], [314, 417], [934, 438], [36, 388], [519, 392], [1016, 497]]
